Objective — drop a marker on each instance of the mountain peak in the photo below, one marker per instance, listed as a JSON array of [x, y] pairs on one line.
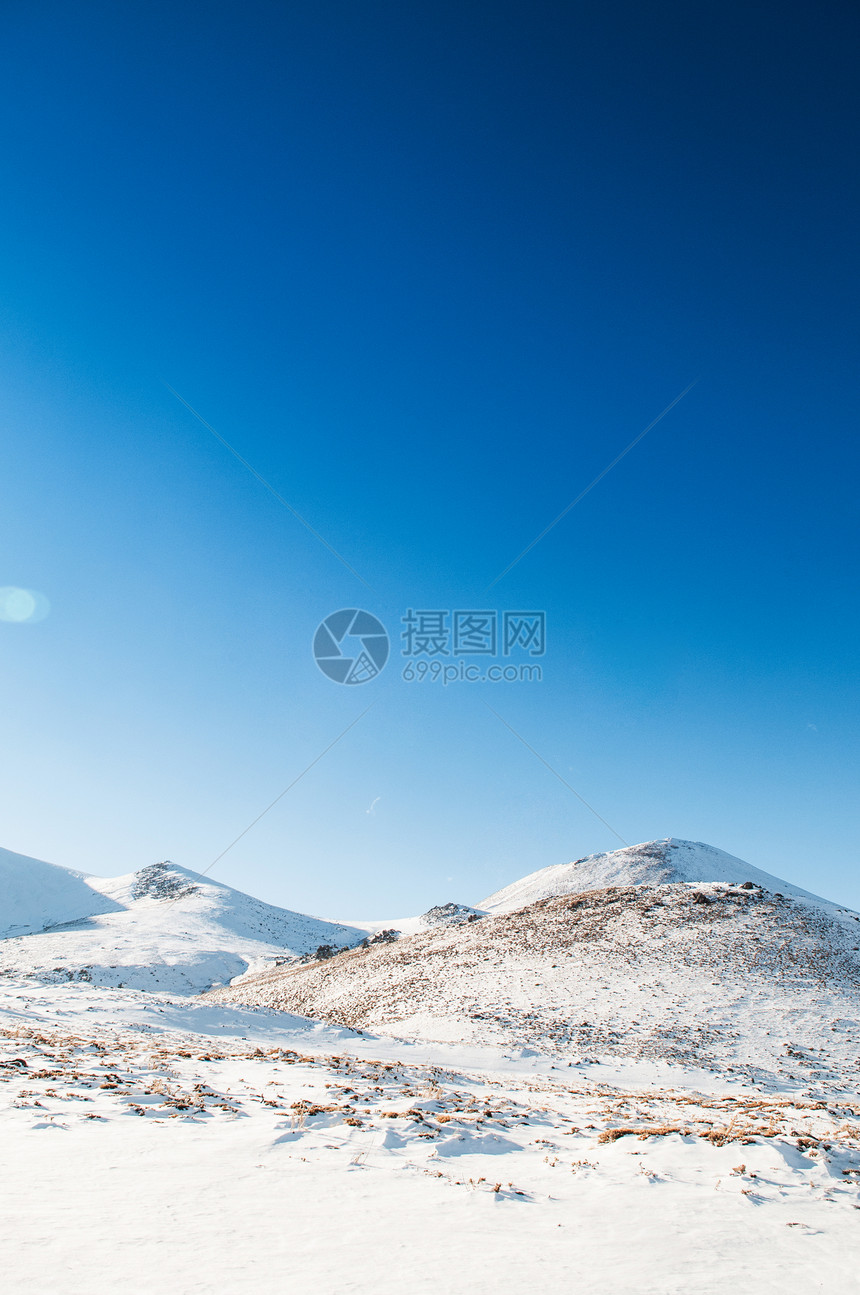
[[651, 863]]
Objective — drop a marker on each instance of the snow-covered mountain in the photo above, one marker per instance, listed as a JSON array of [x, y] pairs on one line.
[[165, 928], [653, 863], [659, 959], [161, 928]]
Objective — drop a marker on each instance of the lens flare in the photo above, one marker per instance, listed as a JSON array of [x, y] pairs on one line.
[[22, 606]]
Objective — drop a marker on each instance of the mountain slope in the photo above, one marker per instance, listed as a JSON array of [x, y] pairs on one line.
[[162, 928], [652, 863], [35, 894], [714, 975]]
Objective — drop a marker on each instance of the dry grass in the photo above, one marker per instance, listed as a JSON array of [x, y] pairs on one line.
[[643, 1131]]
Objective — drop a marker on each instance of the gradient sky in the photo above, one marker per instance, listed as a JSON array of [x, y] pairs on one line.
[[429, 268]]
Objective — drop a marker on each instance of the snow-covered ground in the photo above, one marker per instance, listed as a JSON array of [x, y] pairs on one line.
[[642, 1085], [153, 1144]]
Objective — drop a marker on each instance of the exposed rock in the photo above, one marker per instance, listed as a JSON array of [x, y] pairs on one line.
[[450, 915], [159, 881]]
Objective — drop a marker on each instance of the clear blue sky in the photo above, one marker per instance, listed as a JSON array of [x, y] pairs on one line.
[[429, 268]]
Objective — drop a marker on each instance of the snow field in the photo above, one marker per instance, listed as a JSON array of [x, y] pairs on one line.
[[141, 1156]]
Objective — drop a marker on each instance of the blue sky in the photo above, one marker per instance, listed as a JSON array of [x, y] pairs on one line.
[[428, 268]]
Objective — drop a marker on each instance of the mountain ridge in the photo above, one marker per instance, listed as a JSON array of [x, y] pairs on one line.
[[165, 928]]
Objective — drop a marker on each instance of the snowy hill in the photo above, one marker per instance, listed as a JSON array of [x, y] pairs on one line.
[[167, 929], [162, 928], [654, 863], [713, 975]]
